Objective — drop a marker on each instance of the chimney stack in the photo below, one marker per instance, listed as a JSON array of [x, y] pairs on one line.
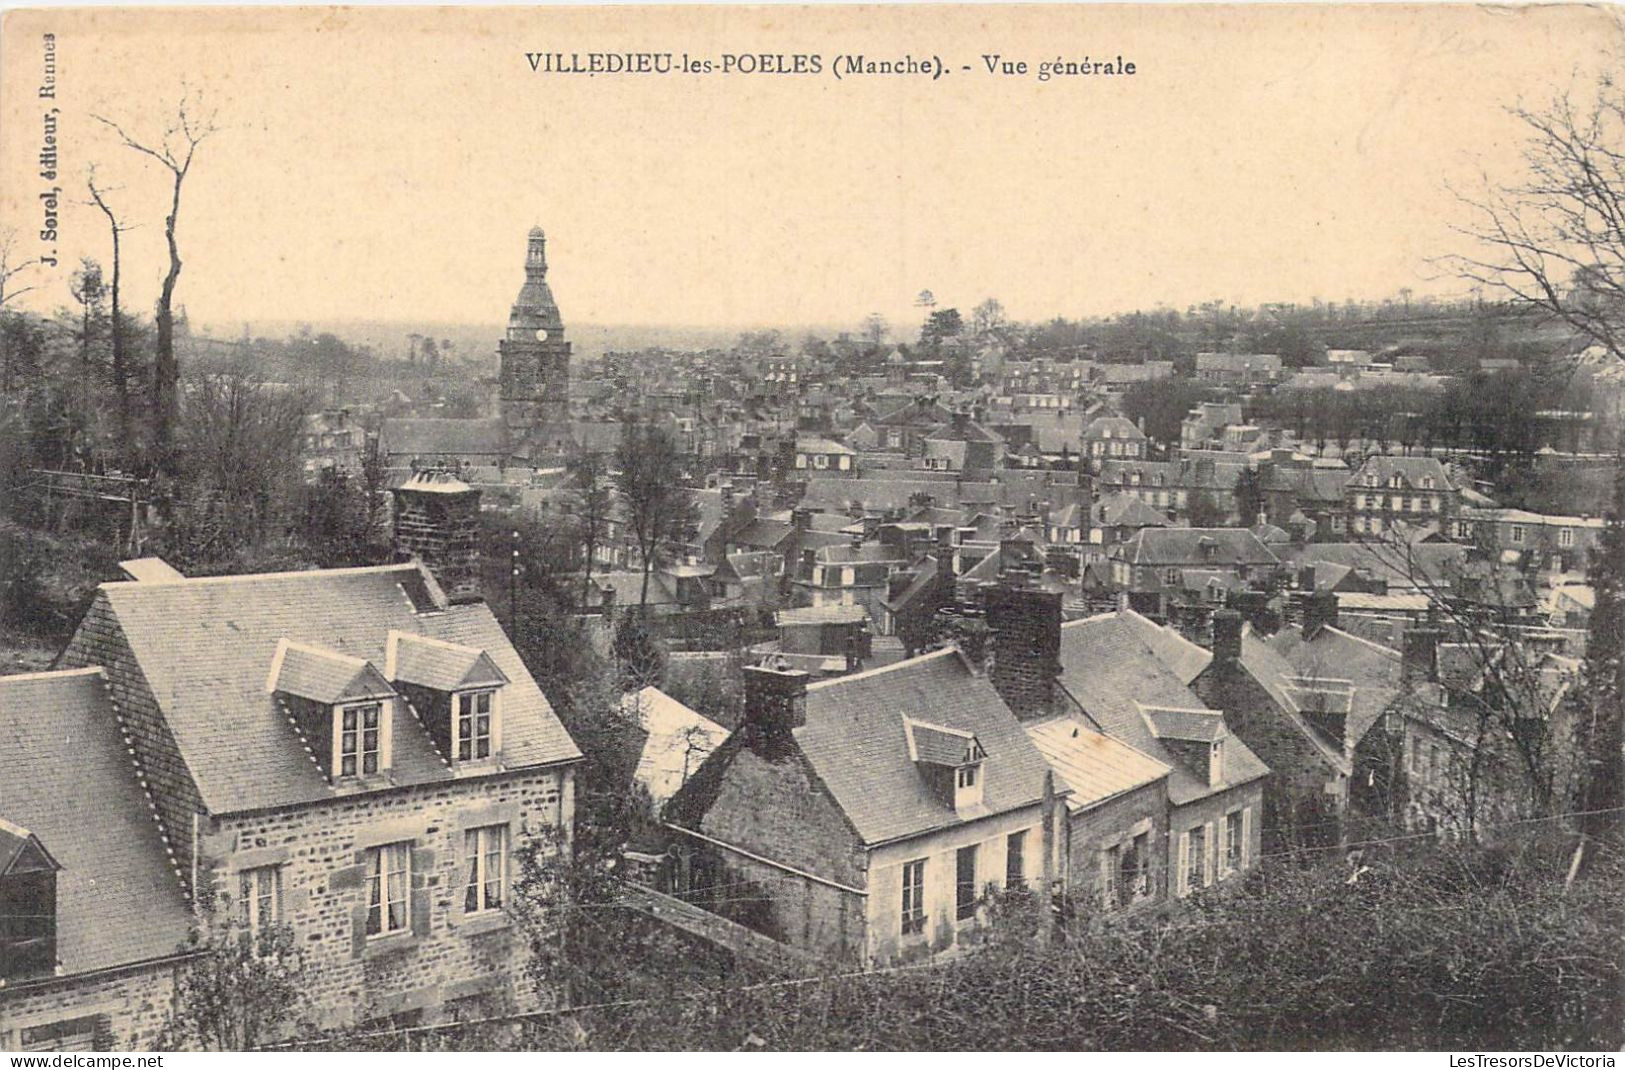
[[437, 521], [1026, 627], [775, 702], [1319, 611], [1419, 660], [1226, 636]]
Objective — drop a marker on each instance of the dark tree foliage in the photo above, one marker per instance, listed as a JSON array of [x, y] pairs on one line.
[[1163, 405], [236, 992], [1249, 495], [1602, 732]]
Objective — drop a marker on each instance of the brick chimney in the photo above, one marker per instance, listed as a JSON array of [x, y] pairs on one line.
[[1319, 611], [1026, 627], [775, 703], [437, 521], [1419, 660], [1226, 637]]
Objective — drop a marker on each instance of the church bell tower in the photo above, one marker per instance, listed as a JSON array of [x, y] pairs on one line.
[[535, 365]]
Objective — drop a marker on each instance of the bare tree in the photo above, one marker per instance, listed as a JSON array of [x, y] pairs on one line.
[[1555, 241], [10, 267], [591, 505], [175, 149], [659, 508], [121, 371]]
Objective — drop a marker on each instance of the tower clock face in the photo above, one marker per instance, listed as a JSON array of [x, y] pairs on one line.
[[541, 334]]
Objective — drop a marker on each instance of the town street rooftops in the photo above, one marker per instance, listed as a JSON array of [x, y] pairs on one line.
[[855, 739], [68, 778], [204, 647], [1095, 766], [437, 437]]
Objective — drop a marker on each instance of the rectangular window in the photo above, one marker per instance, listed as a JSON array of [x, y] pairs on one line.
[[1517, 534], [1565, 536], [1137, 866], [966, 777], [261, 892], [474, 725], [1171, 577], [1196, 858], [914, 897], [359, 735], [485, 866], [965, 883], [389, 883], [1015, 865], [1234, 841]]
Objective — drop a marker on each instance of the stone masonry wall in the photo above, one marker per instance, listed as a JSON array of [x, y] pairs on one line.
[[446, 955], [129, 1006]]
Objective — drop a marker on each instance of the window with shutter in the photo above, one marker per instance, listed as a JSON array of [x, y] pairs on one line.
[[389, 886]]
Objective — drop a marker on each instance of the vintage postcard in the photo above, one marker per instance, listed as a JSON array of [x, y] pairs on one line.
[[834, 528]]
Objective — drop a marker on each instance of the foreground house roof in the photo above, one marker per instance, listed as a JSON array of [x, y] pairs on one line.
[[205, 648], [856, 741], [1114, 676], [68, 778]]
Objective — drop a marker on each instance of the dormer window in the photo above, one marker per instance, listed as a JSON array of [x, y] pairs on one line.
[[27, 905], [455, 690], [950, 760], [341, 705]]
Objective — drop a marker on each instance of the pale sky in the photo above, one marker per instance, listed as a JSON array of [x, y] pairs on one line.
[[386, 164]]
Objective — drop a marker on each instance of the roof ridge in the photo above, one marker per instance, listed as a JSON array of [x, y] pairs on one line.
[[251, 576], [905, 663], [51, 674], [1372, 643]]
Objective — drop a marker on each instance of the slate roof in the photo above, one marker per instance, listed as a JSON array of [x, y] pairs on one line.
[[1277, 676], [1427, 563], [70, 781], [431, 437], [1372, 669], [1183, 658], [1114, 427], [855, 741], [1096, 766], [417, 659], [1195, 726], [1196, 547], [763, 534], [938, 745], [1125, 510], [1412, 470], [205, 648], [324, 675], [1109, 670]]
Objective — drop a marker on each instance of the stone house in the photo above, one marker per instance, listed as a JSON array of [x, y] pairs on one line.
[[1296, 723], [349, 753], [1151, 837], [1479, 713], [1152, 565], [1557, 544], [1113, 436], [1416, 492], [864, 817], [86, 870]]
